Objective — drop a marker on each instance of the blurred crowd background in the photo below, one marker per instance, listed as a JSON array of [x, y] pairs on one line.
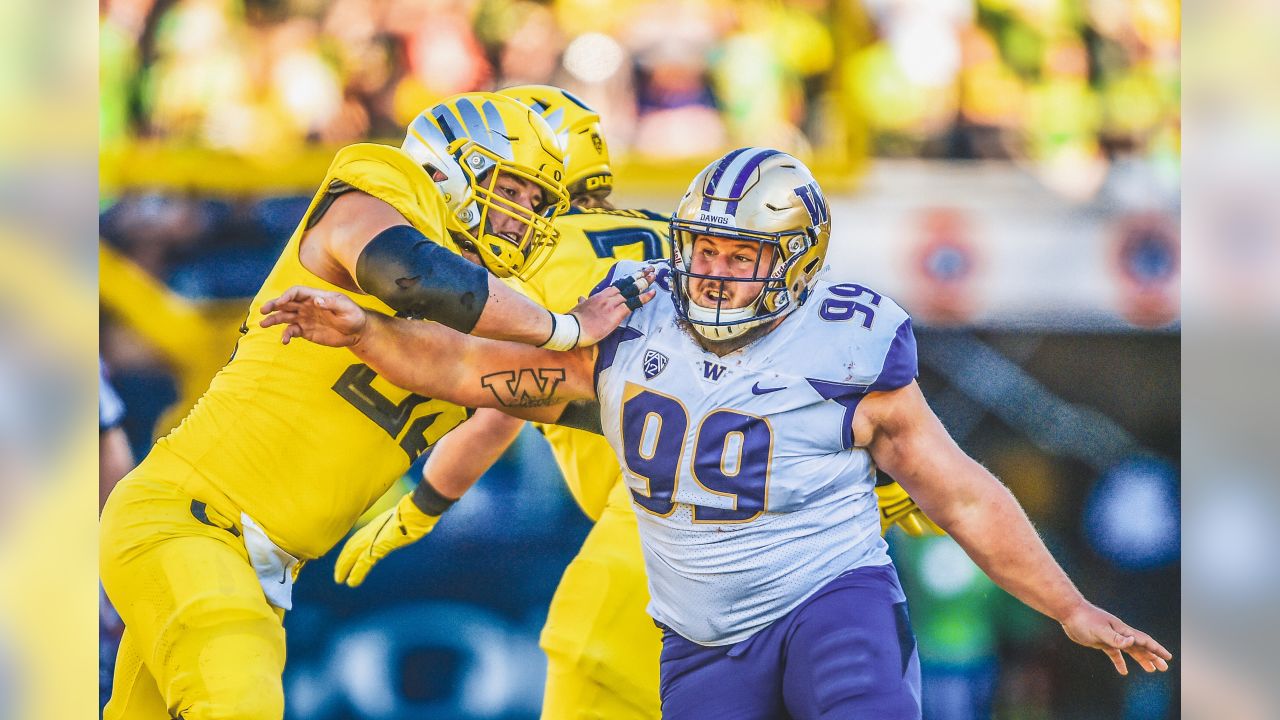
[[1068, 85], [1008, 169]]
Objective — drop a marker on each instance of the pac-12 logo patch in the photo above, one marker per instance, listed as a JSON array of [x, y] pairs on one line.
[[654, 363]]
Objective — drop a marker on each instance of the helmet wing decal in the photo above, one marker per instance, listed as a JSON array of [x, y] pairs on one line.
[[429, 135], [577, 132], [449, 124], [484, 133], [490, 131], [576, 100]]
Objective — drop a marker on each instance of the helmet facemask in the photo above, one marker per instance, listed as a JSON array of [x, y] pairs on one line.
[[468, 143], [712, 318], [764, 198], [521, 255]]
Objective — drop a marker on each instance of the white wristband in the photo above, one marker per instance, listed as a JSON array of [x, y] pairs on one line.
[[565, 332]]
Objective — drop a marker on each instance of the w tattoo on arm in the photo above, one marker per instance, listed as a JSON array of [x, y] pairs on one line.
[[527, 387]]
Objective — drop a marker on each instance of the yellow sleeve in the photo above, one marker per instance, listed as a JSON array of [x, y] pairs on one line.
[[391, 176]]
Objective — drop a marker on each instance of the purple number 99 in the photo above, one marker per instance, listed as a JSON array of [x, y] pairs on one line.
[[653, 430], [732, 452], [843, 307]]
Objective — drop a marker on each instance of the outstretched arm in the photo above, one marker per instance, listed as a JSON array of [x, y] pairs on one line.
[[363, 244], [906, 439], [433, 360]]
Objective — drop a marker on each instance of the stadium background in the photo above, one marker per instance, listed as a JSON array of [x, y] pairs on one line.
[[1007, 169]]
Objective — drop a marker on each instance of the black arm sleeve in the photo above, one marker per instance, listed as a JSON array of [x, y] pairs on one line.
[[429, 500], [582, 415], [420, 279]]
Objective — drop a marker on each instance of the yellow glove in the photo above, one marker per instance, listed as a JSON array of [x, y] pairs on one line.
[[395, 528], [897, 507]]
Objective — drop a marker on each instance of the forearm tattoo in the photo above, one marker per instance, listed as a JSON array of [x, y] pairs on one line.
[[526, 387]]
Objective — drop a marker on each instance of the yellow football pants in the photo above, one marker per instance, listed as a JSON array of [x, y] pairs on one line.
[[201, 642], [602, 647]]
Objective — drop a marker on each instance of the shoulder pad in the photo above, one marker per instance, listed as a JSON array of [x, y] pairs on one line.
[[880, 328], [639, 214], [375, 152], [651, 215], [662, 273]]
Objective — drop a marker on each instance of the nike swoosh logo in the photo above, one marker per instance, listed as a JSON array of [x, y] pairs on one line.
[[757, 390]]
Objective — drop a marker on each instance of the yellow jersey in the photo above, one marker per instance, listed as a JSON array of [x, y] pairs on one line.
[[591, 241], [303, 438]]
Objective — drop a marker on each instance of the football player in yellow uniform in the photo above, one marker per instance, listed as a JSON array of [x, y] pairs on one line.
[[602, 648], [200, 544]]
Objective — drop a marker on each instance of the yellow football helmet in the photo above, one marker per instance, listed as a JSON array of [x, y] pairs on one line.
[[756, 195], [587, 153], [465, 143]]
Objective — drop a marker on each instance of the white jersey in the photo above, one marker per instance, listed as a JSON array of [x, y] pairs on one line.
[[749, 491]]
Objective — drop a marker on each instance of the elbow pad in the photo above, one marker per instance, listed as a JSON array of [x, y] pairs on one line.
[[420, 279]]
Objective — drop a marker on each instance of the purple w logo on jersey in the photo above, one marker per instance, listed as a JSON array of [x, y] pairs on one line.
[[712, 371], [813, 201]]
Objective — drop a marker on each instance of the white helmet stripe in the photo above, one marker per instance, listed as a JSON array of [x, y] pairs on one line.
[[497, 132], [718, 173], [744, 174], [760, 195], [427, 133], [725, 182], [476, 128]]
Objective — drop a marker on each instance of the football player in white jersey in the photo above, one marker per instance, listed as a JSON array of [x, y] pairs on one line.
[[749, 409]]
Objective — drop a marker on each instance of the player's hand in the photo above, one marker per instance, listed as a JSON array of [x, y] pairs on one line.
[[323, 317], [603, 312], [1093, 627], [897, 507], [395, 528]]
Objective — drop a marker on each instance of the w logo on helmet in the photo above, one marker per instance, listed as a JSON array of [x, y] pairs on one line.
[[813, 201]]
